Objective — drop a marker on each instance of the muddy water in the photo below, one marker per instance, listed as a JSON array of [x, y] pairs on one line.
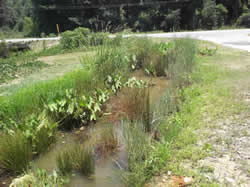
[[108, 169]]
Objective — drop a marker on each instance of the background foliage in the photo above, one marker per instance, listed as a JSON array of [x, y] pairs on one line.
[[36, 16]]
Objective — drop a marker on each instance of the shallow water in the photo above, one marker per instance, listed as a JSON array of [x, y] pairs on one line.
[[109, 168]]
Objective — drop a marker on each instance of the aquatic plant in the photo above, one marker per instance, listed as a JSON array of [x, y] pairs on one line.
[[108, 141], [15, 152], [64, 162], [76, 157]]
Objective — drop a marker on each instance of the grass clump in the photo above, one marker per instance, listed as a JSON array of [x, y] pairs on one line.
[[136, 104], [108, 141], [138, 148], [76, 158], [64, 163], [15, 152], [19, 144]]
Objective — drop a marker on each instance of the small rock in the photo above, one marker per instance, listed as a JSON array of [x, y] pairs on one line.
[[82, 128], [188, 180], [169, 172]]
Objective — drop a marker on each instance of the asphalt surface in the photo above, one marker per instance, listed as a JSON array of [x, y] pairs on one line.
[[238, 38]]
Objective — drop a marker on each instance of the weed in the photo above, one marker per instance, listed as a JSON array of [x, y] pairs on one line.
[[77, 158], [39, 178], [207, 51], [137, 142], [108, 141], [15, 152], [138, 149], [110, 61], [181, 61], [64, 163], [85, 162], [133, 103]]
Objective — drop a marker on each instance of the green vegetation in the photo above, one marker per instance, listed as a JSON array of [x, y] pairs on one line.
[[77, 98], [78, 158], [15, 152], [158, 136], [108, 141], [33, 17], [82, 37], [39, 178], [64, 163], [148, 154]]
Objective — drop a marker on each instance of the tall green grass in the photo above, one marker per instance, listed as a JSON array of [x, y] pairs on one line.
[[15, 152], [76, 158], [31, 100]]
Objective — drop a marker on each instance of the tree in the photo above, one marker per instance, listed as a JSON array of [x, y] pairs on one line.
[[209, 14]]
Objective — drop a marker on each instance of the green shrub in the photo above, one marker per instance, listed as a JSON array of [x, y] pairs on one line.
[[74, 39], [222, 12], [149, 56], [172, 20], [244, 20], [15, 152], [209, 15], [28, 26], [110, 61]]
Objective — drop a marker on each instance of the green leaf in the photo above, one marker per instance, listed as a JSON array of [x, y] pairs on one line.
[[97, 107], [71, 108]]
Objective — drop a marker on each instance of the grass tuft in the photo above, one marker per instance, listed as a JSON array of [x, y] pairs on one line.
[[15, 152]]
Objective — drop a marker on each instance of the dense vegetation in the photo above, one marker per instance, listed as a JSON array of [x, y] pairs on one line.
[[30, 117], [32, 17]]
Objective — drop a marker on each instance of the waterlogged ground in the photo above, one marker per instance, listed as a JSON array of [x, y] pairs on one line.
[[109, 167], [58, 65], [224, 130]]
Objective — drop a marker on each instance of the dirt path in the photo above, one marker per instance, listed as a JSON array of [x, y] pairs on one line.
[[58, 66]]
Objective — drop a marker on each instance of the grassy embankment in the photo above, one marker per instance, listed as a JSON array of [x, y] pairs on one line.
[[211, 96]]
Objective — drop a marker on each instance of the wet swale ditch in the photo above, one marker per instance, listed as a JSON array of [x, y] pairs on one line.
[[95, 126]]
